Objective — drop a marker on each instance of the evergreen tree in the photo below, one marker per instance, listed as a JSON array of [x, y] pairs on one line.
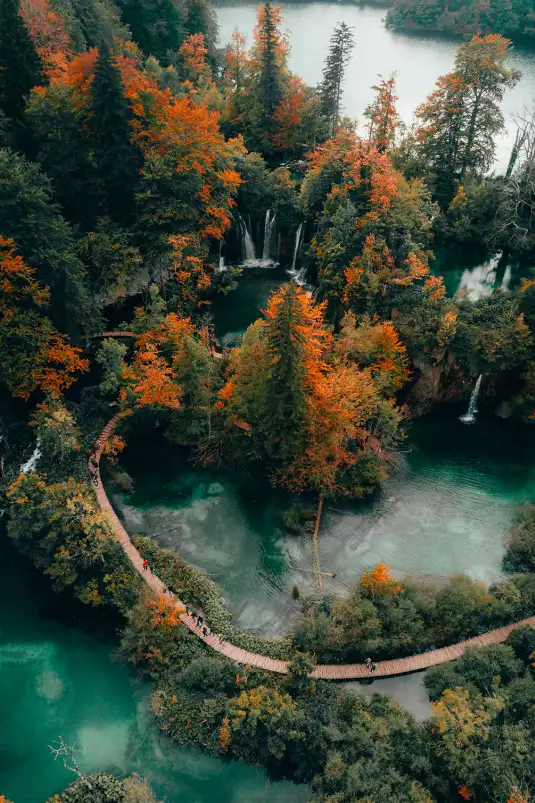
[[340, 48], [157, 26], [44, 239], [20, 66], [288, 332], [269, 88], [118, 160]]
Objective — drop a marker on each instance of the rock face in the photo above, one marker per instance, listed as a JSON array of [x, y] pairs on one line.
[[435, 383]]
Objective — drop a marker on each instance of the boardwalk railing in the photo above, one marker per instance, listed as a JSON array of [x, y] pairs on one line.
[[398, 666]]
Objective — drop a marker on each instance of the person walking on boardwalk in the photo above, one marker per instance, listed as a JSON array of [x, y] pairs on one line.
[[373, 668], [146, 564], [368, 662]]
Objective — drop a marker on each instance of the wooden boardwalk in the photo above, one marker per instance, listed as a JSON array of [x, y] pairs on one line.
[[398, 666]]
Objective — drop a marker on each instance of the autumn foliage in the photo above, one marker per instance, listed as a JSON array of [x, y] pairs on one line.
[[33, 355], [165, 612], [378, 582], [310, 409], [47, 31]]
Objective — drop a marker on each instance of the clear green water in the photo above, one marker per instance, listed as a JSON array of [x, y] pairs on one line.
[[473, 275], [57, 676], [446, 509]]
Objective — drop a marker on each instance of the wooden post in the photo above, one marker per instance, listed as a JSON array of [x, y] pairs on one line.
[[317, 567]]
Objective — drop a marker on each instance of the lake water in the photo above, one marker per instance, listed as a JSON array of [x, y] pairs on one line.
[[58, 676], [418, 58], [446, 509]]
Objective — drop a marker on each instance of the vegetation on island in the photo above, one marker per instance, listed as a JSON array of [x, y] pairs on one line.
[[515, 19], [132, 150]]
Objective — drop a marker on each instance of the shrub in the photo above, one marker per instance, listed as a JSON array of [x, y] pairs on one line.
[[520, 555]]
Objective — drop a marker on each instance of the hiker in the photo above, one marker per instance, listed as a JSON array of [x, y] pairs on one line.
[[205, 631], [368, 662], [146, 564], [199, 621], [373, 668]]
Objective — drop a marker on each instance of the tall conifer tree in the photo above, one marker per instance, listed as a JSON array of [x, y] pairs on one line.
[[270, 89], [340, 48], [20, 66], [118, 159]]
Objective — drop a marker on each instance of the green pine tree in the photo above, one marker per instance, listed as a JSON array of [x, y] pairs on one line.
[[157, 26], [286, 387], [20, 66], [269, 89], [340, 47], [118, 159]]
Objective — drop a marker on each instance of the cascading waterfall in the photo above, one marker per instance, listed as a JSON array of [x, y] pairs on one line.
[[297, 244], [470, 416], [249, 253], [222, 267], [31, 464], [268, 232], [299, 276]]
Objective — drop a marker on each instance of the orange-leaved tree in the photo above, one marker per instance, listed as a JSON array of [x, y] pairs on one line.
[[47, 31], [186, 178], [33, 354], [383, 119], [370, 219], [307, 411], [149, 381], [165, 612], [377, 346], [378, 582]]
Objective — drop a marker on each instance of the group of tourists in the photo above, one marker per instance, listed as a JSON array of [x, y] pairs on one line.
[[205, 630]]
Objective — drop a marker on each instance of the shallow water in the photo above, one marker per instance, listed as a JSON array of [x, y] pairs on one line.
[[57, 676], [446, 509], [409, 690], [474, 275], [418, 58]]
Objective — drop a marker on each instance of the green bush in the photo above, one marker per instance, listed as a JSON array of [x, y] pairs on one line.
[[520, 555]]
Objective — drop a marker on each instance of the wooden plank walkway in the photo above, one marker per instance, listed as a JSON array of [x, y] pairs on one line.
[[398, 666]]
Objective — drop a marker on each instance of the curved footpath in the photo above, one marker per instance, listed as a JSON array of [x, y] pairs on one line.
[[399, 666]]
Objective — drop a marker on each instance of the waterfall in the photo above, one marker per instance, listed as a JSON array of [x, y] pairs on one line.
[[268, 231], [31, 464], [297, 244], [221, 267], [249, 253], [299, 276], [470, 416]]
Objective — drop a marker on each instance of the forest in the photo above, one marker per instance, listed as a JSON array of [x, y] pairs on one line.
[[137, 160], [515, 19]]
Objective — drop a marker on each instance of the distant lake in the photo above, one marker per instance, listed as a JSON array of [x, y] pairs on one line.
[[418, 58]]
